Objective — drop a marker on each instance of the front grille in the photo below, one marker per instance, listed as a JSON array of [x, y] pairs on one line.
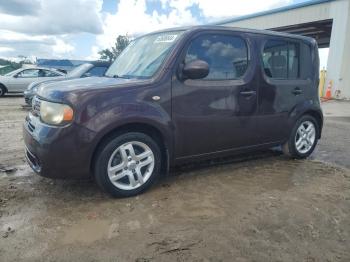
[[36, 106]]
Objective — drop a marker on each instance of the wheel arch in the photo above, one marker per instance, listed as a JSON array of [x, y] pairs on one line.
[[147, 129], [2, 85], [319, 118], [307, 108]]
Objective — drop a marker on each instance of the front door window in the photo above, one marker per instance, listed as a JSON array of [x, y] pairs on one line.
[[28, 73], [226, 55]]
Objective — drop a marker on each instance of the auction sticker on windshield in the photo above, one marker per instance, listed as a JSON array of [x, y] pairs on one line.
[[165, 39]]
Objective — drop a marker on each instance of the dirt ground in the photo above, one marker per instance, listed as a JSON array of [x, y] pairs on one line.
[[264, 207]]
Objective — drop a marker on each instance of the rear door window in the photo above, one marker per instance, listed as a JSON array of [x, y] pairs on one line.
[[281, 59], [97, 71], [49, 73], [226, 55]]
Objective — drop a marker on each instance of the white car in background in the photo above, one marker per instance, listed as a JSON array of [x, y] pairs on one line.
[[92, 68], [18, 80]]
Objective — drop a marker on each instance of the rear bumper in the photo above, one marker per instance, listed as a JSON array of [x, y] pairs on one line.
[[63, 152]]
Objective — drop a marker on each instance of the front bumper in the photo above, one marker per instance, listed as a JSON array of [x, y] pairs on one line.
[[57, 152], [28, 96]]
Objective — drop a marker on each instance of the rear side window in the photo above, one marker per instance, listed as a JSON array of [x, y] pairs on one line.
[[306, 65], [50, 73], [286, 60], [97, 71], [227, 56]]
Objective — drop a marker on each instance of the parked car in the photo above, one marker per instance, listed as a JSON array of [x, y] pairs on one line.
[[18, 80], [176, 96], [96, 68]]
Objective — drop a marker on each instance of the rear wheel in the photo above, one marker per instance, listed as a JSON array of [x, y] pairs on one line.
[[303, 138], [127, 164], [2, 90]]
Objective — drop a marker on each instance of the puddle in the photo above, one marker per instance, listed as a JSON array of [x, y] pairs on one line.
[[88, 231], [18, 171]]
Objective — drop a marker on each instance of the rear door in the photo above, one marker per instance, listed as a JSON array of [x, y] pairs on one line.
[[285, 82], [49, 74], [24, 78], [216, 113]]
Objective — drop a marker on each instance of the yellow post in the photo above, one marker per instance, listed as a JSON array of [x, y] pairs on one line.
[[322, 82]]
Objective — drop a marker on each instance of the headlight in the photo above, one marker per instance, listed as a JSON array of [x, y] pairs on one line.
[[55, 114]]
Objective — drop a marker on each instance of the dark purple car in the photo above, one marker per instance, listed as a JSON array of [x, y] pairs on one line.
[[176, 96]]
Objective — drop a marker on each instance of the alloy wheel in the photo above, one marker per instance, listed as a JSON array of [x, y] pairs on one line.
[[130, 165], [305, 137]]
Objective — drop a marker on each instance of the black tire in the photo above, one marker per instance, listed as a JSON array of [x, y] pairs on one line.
[[290, 149], [2, 90], [104, 154]]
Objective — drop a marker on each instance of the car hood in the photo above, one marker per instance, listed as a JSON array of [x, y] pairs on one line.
[[74, 88], [45, 81]]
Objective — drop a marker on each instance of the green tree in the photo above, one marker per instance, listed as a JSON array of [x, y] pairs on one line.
[[122, 41], [10, 63]]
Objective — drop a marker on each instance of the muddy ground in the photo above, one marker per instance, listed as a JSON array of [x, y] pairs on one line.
[[264, 207]]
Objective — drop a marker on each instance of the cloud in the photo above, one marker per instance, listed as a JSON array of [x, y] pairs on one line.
[[51, 28], [132, 18], [13, 44], [56, 17], [45, 28], [5, 49], [61, 47], [20, 7]]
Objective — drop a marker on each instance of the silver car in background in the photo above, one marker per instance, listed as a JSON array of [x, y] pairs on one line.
[[92, 68], [17, 81]]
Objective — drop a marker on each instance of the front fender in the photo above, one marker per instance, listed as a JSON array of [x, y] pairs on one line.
[[113, 118]]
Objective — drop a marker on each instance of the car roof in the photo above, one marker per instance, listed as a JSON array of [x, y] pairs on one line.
[[36, 67], [39, 67], [190, 29]]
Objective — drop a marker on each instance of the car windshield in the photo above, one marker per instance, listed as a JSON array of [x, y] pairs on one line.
[[143, 57], [79, 70]]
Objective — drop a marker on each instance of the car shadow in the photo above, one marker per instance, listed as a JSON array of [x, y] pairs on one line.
[[13, 95], [88, 189], [236, 159]]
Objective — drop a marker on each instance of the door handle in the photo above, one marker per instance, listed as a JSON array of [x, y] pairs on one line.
[[297, 91], [248, 93]]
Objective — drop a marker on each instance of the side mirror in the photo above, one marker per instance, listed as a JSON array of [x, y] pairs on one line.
[[196, 69]]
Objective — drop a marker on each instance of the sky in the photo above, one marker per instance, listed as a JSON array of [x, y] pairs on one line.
[[79, 29]]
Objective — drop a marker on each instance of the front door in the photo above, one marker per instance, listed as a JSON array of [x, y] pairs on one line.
[[24, 78], [216, 113]]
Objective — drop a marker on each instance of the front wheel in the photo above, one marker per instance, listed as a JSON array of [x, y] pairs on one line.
[[127, 164], [303, 138], [2, 90]]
